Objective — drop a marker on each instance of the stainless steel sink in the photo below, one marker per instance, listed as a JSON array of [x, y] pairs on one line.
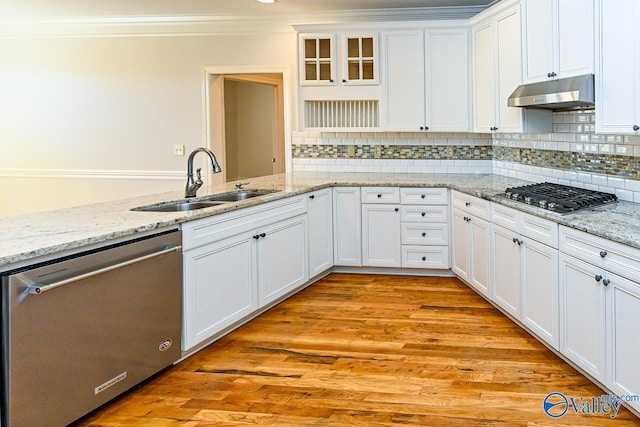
[[180, 206], [205, 202], [236, 196]]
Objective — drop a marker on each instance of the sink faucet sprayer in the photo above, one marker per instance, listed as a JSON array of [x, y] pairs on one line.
[[192, 186]]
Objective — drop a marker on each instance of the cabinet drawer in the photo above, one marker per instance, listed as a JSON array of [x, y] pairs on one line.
[[612, 256], [424, 214], [424, 196], [505, 216], [436, 257], [380, 195], [472, 205], [540, 229], [531, 226], [425, 234]]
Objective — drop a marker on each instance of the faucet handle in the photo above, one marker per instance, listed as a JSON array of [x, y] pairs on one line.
[[238, 185], [199, 175]]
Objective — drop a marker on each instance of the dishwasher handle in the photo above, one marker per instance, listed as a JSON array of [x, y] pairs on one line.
[[40, 289]]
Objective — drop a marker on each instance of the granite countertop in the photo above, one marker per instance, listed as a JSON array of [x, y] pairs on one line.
[[28, 237]]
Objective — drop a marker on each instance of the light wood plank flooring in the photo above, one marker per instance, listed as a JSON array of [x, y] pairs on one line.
[[365, 350]]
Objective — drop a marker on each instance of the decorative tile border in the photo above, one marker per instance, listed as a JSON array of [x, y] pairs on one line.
[[410, 152], [605, 164]]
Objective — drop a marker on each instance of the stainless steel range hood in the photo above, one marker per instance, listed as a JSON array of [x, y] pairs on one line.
[[571, 92]]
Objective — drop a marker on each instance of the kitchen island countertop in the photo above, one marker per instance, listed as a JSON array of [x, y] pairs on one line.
[[28, 237]]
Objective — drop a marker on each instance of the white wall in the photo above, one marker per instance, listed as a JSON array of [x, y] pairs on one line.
[[113, 104]]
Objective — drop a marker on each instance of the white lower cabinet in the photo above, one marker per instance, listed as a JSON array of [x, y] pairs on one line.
[[405, 227], [381, 242], [623, 336], [220, 287], [525, 271], [506, 270], [471, 241], [600, 309], [347, 231], [320, 231], [582, 315], [281, 258], [237, 262]]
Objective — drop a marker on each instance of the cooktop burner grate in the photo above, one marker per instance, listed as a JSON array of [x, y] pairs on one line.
[[559, 198]]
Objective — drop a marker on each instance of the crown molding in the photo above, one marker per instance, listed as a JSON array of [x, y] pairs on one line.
[[194, 25]]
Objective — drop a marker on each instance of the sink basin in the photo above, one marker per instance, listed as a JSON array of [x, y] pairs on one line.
[[177, 206], [236, 196], [206, 202]]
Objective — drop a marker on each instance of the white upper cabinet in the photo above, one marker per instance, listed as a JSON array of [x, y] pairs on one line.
[[338, 58], [427, 80], [618, 76], [339, 82], [558, 39], [496, 55], [497, 71]]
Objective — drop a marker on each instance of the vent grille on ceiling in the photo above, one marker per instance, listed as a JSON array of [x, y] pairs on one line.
[[341, 114]]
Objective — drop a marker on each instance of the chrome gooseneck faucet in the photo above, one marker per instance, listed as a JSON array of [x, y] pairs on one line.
[[192, 186]]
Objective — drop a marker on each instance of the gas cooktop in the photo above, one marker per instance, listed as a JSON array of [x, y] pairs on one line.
[[559, 198]]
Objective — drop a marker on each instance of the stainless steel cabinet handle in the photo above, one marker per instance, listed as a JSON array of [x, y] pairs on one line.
[[39, 289]]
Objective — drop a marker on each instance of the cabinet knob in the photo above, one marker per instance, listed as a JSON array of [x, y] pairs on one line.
[[256, 236], [396, 209], [598, 277], [603, 254], [312, 197], [424, 234], [551, 74], [423, 214], [424, 258], [330, 80], [606, 282], [636, 127], [379, 196], [493, 128], [263, 234], [422, 196], [344, 80], [520, 242], [467, 203]]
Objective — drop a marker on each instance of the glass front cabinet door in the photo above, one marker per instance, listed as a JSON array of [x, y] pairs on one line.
[[318, 59], [360, 59]]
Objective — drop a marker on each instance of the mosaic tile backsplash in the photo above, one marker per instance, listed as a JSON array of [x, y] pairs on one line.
[[572, 155]]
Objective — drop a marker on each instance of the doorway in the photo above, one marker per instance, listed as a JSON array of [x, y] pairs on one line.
[[246, 120]]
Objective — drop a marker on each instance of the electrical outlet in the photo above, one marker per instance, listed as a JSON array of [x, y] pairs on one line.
[[178, 150]]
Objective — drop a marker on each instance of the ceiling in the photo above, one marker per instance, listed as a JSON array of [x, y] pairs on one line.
[[56, 10]]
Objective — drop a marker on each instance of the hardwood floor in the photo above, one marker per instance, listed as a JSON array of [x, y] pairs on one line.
[[365, 350]]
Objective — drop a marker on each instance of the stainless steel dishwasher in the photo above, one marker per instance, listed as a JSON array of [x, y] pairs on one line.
[[78, 331]]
